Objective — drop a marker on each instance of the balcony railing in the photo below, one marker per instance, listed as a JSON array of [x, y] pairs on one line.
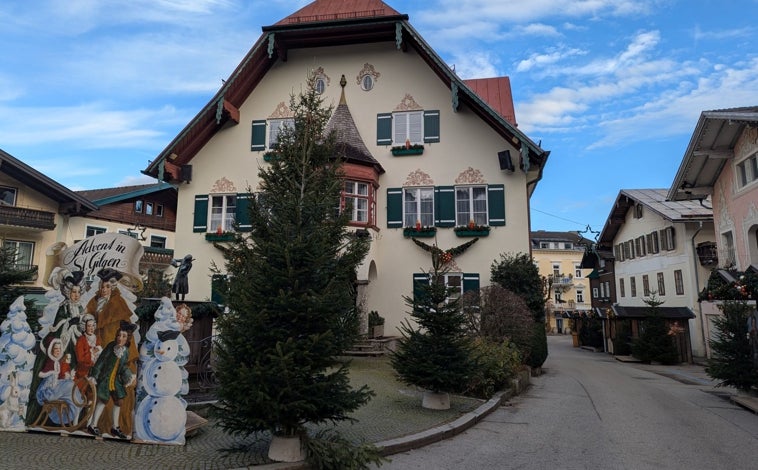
[[563, 280], [31, 218]]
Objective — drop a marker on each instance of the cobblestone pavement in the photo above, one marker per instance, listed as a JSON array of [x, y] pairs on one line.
[[395, 411]]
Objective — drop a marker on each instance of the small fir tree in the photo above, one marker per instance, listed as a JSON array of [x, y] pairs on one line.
[[10, 278], [435, 351], [732, 360], [290, 288], [655, 343]]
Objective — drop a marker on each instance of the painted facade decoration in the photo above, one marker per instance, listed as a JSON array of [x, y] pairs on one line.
[[80, 374]]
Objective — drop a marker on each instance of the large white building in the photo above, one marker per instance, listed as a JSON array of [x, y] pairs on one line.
[[423, 147]]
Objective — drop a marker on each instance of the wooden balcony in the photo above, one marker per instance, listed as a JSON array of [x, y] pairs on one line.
[[30, 218], [159, 258]]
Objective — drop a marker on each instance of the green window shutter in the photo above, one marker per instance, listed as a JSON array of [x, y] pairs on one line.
[[218, 288], [444, 206], [258, 141], [496, 204], [200, 223], [470, 282], [394, 207], [384, 129], [420, 280], [242, 215], [431, 126]]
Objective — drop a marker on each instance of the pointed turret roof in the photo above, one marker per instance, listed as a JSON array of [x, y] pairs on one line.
[[349, 141]]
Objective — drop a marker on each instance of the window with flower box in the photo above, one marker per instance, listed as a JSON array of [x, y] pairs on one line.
[[436, 207], [414, 127], [471, 205], [216, 213], [264, 130]]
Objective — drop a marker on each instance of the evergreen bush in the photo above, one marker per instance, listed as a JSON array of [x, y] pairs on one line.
[[732, 362]]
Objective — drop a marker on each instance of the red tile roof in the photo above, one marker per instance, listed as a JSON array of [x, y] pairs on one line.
[[334, 10], [496, 92]]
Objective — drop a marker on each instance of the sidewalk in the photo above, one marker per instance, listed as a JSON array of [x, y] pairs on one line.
[[393, 420]]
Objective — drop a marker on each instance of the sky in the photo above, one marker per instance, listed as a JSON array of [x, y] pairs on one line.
[[92, 90]]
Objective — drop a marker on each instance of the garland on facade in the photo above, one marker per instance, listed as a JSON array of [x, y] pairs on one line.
[[731, 285], [445, 256]]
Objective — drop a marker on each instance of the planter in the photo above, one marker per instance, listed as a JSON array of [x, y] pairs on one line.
[[435, 401], [423, 233], [286, 449], [403, 152], [472, 233], [215, 237]]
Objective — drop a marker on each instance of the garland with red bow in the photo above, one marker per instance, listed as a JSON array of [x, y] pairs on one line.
[[445, 256]]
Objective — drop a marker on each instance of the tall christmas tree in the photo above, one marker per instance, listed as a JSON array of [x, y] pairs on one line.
[[290, 287], [435, 351], [732, 361]]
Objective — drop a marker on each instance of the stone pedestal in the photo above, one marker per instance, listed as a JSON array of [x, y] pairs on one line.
[[435, 401], [286, 449]]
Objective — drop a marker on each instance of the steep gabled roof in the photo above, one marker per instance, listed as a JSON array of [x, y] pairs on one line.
[[338, 10], [497, 93], [654, 200], [328, 23], [69, 202], [711, 147], [105, 196]]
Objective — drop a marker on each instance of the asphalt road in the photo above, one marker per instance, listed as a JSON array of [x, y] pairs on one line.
[[589, 411]]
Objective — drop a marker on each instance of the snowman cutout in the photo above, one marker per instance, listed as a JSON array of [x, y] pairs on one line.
[[161, 414]]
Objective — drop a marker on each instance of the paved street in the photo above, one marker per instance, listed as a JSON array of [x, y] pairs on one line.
[[590, 411]]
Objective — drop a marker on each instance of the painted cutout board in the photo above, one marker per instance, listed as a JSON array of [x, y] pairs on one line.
[[87, 371]]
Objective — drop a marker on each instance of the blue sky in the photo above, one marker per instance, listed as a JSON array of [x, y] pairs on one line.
[[91, 90]]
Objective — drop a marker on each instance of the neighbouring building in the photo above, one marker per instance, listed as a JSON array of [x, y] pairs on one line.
[[35, 213], [426, 155], [146, 212], [720, 166], [655, 247], [558, 256]]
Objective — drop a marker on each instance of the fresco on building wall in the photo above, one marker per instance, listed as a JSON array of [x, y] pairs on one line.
[[80, 374]]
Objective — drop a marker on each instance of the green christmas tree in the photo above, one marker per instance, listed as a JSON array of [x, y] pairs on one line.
[[732, 361], [10, 277], [435, 351], [290, 289], [655, 343]]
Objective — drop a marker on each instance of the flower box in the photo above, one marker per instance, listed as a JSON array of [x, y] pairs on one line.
[[403, 150], [472, 231], [423, 232], [270, 156], [219, 237]]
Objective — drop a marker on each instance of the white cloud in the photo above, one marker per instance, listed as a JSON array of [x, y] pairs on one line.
[[551, 57], [536, 29]]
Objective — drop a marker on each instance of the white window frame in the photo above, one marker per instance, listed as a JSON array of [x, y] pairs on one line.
[[130, 233], [413, 210], [22, 258], [274, 128], [6, 191], [622, 288], [95, 229], [159, 210], [580, 296], [149, 208], [747, 171], [466, 210], [367, 82], [450, 280], [138, 205], [578, 270], [645, 285], [679, 282], [320, 85], [362, 210], [661, 283], [221, 212], [408, 126], [594, 292]]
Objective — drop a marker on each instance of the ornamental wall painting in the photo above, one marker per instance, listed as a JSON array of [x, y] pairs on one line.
[[87, 371]]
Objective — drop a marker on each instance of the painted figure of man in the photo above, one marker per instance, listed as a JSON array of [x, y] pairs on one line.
[[112, 377]]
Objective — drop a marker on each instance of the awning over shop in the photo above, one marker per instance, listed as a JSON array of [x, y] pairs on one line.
[[642, 312]]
